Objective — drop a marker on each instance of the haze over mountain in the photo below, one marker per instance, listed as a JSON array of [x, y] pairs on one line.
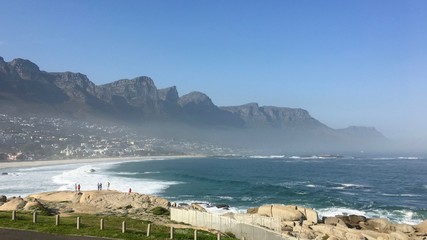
[[25, 89]]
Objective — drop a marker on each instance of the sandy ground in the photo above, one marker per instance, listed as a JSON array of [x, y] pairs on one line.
[[24, 164]]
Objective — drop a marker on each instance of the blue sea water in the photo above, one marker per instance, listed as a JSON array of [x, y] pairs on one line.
[[394, 188]]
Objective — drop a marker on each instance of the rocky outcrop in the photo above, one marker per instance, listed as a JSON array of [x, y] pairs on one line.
[[25, 69], [169, 94], [352, 227], [139, 92], [13, 204], [197, 207], [101, 201], [286, 213], [134, 205], [76, 85], [422, 227]]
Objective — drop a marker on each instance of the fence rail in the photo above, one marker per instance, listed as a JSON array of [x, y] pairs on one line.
[[247, 227]]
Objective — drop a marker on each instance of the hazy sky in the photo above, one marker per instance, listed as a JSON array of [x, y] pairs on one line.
[[346, 62]]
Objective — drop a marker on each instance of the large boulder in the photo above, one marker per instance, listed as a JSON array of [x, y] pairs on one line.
[[404, 228], [252, 210], [286, 213], [378, 224], [330, 231], [354, 236], [422, 227], [352, 221], [13, 204], [373, 235], [158, 201], [355, 219], [399, 236], [310, 214], [265, 210], [198, 207], [331, 220]]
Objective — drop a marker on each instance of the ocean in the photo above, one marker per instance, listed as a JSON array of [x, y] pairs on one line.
[[392, 187]]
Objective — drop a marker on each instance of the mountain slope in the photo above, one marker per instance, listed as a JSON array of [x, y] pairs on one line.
[[25, 88]]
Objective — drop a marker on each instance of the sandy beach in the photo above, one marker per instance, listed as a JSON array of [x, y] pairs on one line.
[[23, 164]]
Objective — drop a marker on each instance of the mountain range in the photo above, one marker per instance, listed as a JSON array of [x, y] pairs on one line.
[[24, 88]]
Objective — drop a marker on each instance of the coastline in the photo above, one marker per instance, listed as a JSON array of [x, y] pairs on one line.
[[42, 163]]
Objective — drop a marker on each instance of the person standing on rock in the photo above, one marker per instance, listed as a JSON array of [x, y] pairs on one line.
[[100, 186], [108, 185], [130, 190], [78, 187]]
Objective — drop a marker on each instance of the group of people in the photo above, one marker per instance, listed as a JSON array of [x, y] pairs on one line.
[[100, 186], [77, 187]]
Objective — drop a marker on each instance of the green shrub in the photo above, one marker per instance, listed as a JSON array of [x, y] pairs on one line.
[[160, 211]]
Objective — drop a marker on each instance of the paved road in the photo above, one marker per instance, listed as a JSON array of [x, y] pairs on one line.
[[13, 234]]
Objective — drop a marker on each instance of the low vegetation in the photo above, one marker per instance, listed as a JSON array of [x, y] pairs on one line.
[[160, 211], [90, 226]]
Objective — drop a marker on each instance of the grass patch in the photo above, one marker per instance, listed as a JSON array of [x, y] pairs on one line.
[[90, 226]]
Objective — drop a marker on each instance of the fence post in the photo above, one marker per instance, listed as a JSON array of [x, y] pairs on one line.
[[218, 236], [195, 234], [172, 232], [123, 226], [101, 224], [13, 215], [148, 229], [78, 222], [57, 220], [34, 217]]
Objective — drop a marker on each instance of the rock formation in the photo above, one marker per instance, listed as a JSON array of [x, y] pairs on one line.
[[350, 227], [89, 202]]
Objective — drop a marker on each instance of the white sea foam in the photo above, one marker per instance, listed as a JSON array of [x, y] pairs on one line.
[[225, 197], [247, 199], [333, 211], [89, 180], [346, 186], [400, 195], [409, 158], [395, 158], [398, 216], [267, 156], [22, 182]]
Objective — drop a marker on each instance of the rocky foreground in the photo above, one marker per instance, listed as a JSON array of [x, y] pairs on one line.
[[352, 227], [90, 202]]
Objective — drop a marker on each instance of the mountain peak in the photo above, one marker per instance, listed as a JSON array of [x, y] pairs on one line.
[[169, 94], [196, 99], [24, 68]]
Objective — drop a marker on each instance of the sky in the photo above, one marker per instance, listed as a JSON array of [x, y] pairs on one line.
[[356, 62]]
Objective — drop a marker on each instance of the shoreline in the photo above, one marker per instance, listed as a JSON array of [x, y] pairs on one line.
[[43, 163]]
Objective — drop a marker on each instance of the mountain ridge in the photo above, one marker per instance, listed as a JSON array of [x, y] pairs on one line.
[[139, 100]]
